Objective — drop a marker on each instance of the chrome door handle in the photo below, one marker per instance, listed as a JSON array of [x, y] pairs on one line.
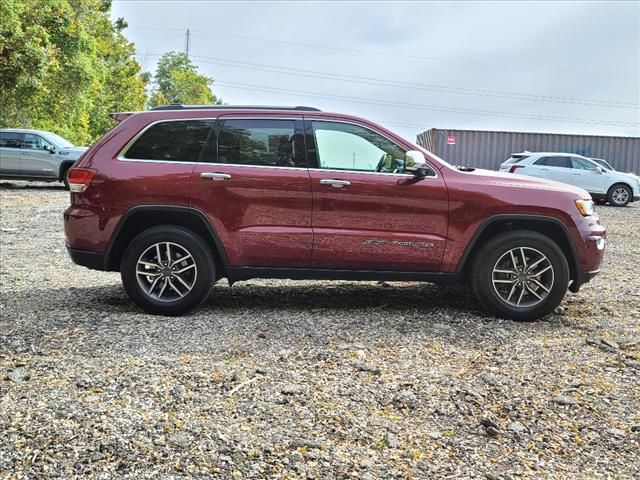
[[26, 154], [334, 183], [215, 176]]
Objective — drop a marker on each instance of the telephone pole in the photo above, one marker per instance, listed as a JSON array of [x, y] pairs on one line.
[[187, 42]]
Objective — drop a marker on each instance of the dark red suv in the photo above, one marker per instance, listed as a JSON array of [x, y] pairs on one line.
[[177, 197]]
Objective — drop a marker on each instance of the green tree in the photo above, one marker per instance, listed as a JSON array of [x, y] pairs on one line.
[[177, 81], [64, 65]]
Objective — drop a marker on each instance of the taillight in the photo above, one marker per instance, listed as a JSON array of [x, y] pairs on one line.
[[515, 167], [80, 178]]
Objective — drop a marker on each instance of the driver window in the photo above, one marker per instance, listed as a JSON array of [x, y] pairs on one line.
[[582, 164], [35, 142], [343, 146]]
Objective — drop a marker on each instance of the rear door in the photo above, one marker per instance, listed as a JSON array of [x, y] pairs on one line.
[[38, 157], [10, 153], [558, 168], [254, 186], [367, 213]]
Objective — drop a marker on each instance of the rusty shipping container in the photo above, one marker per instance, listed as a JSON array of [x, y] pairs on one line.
[[486, 149]]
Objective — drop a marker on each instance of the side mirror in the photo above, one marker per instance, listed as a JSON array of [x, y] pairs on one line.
[[599, 169], [414, 162], [51, 149]]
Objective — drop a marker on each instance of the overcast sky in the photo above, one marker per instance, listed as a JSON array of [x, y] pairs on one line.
[[566, 67]]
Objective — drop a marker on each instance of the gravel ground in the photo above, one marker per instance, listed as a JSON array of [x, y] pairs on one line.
[[280, 379]]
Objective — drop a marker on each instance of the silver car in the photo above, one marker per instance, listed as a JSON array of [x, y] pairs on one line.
[[36, 155]]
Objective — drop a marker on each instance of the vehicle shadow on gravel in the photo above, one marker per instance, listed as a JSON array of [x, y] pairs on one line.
[[112, 299], [31, 186]]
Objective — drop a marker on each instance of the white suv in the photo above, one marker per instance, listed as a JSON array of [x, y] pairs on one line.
[[604, 185]]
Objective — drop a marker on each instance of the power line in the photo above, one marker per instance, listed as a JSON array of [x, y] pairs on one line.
[[394, 55], [413, 106], [412, 85]]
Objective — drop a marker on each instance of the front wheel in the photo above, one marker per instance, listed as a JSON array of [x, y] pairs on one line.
[[619, 195], [522, 275], [167, 270]]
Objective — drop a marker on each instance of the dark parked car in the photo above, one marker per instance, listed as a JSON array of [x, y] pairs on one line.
[[178, 197], [36, 155]]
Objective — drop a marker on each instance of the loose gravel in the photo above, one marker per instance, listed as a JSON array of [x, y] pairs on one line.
[[281, 379]]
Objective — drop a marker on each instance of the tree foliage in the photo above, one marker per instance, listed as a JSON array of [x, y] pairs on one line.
[[64, 66], [177, 81]]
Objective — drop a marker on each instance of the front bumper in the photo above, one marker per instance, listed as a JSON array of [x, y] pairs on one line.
[[85, 258]]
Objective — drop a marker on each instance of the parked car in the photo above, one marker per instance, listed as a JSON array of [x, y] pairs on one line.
[[36, 155], [178, 197], [604, 185]]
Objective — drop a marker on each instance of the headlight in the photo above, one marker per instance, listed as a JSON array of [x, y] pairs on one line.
[[586, 207]]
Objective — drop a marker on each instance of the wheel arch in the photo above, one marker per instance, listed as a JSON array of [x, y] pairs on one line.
[[140, 218], [549, 226], [63, 168]]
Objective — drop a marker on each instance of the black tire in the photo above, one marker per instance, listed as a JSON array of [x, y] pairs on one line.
[[65, 180], [202, 279], [619, 195], [496, 249]]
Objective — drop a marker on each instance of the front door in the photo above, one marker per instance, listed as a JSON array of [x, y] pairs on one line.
[[586, 176], [368, 214], [38, 157], [556, 168], [256, 191]]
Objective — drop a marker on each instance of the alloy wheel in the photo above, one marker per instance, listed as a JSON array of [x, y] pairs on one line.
[[620, 196], [523, 277], [166, 271]]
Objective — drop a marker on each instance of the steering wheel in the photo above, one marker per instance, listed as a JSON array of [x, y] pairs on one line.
[[381, 162]]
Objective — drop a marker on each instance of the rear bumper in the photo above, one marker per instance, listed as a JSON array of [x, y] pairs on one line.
[[85, 258]]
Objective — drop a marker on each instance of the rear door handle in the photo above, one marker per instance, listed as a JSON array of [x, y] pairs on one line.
[[26, 154], [334, 183], [215, 176]]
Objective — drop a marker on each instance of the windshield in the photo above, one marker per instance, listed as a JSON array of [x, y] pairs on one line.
[[59, 141]]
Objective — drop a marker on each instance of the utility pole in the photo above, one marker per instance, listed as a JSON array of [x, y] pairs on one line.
[[187, 42]]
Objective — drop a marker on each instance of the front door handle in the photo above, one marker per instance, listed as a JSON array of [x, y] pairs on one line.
[[334, 183], [215, 176]]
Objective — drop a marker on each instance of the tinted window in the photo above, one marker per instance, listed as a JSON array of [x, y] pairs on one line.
[[10, 139], [34, 142], [343, 146], [554, 162], [259, 142], [582, 164], [179, 141]]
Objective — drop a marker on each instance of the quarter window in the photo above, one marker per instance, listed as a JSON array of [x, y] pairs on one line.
[[177, 141], [344, 146], [260, 142], [10, 139]]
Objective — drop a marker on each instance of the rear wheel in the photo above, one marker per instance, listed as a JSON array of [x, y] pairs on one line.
[[619, 195], [521, 275], [167, 270]]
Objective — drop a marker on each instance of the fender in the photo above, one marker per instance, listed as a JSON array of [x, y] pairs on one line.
[[573, 260], [165, 209]]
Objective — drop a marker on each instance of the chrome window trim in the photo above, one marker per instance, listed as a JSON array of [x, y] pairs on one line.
[[374, 131], [123, 151]]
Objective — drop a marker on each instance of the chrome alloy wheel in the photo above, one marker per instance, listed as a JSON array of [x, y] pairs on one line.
[[523, 277], [166, 271], [620, 195]]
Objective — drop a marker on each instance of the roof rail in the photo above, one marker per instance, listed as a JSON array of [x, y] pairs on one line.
[[180, 106]]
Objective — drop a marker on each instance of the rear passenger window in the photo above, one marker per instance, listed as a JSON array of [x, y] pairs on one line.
[[176, 141], [554, 162], [10, 139], [260, 142]]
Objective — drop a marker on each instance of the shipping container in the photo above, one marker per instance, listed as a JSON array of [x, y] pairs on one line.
[[486, 149]]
